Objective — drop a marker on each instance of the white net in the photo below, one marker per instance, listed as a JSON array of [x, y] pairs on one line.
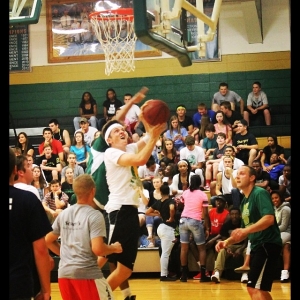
[[117, 38]]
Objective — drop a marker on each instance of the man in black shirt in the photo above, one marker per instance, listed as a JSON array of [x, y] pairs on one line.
[[232, 116]]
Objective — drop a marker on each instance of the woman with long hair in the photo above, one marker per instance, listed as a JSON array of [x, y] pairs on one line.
[[224, 126], [24, 144], [80, 149], [39, 181], [169, 151]]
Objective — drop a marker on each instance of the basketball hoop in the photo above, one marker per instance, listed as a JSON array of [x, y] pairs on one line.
[[115, 32]]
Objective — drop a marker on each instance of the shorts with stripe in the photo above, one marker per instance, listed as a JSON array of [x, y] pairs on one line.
[[83, 289], [124, 228]]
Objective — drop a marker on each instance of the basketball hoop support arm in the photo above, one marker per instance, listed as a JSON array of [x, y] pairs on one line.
[[212, 21]]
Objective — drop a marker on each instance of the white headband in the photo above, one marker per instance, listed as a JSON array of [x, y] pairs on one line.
[[109, 129]]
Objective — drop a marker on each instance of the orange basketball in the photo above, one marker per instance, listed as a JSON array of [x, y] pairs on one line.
[[156, 111]]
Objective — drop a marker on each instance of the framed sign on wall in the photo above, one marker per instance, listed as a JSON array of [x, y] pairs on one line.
[[70, 35]]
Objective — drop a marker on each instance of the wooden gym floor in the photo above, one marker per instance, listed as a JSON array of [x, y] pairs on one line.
[[153, 289]]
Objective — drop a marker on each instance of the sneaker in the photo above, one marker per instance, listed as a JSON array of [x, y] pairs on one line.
[[207, 188], [244, 278], [198, 276], [167, 278], [215, 277], [242, 269], [132, 297], [150, 245], [205, 279], [284, 276], [183, 278]]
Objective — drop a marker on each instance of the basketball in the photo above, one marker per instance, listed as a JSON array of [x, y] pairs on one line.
[[156, 112]]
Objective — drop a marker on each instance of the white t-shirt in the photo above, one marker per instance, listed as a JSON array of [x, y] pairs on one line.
[[133, 113], [143, 171], [236, 164], [142, 207], [226, 183], [194, 157], [122, 181], [88, 136], [28, 187]]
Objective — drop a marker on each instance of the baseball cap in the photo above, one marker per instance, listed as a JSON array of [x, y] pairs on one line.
[[83, 120], [220, 197]]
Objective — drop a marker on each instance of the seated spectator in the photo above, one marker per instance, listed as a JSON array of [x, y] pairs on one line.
[[257, 105], [50, 164], [163, 163], [39, 181], [199, 133], [81, 149], [283, 218], [184, 120], [226, 184], [88, 110], [56, 146], [110, 106], [67, 185], [245, 143], [165, 208], [236, 250], [223, 125], [176, 133], [275, 169], [203, 111], [285, 184], [61, 134], [72, 163], [24, 144], [272, 147], [169, 151], [17, 151], [224, 94], [195, 155], [55, 201], [262, 177], [23, 177], [211, 168], [194, 220], [209, 143], [87, 130], [181, 180], [169, 172], [133, 113], [143, 204], [147, 172], [30, 161], [231, 115], [140, 131]]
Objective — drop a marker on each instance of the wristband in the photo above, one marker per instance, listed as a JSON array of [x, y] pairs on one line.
[[146, 138]]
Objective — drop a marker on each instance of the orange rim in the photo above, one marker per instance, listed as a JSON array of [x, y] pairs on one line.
[[120, 14]]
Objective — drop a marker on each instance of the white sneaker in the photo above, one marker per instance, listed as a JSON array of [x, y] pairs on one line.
[[215, 277], [244, 278], [284, 276]]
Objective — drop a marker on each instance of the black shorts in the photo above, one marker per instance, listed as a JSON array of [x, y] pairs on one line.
[[263, 263], [126, 231]]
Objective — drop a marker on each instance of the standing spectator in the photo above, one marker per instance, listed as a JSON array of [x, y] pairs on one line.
[[110, 106], [184, 120], [257, 105], [165, 208], [81, 228], [196, 157], [28, 226], [72, 163], [24, 144], [121, 160], [272, 147], [245, 143], [283, 219], [194, 220], [223, 125], [49, 163], [224, 94], [176, 133], [60, 134], [132, 114], [88, 110], [260, 226], [87, 130], [232, 116], [56, 146]]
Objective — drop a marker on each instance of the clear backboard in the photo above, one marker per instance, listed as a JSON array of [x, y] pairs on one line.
[[24, 11], [181, 28]]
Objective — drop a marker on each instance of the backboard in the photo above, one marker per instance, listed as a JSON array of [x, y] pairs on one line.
[[181, 28], [24, 11]]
